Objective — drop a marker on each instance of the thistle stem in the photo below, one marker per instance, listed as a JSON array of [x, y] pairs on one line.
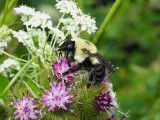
[[18, 59], [5, 12], [106, 21], [17, 75]]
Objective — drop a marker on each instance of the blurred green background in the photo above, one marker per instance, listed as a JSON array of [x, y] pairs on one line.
[[130, 41]]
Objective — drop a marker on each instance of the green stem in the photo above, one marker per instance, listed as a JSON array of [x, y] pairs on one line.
[[18, 59], [5, 12], [106, 21], [45, 45], [17, 75], [54, 33], [55, 40]]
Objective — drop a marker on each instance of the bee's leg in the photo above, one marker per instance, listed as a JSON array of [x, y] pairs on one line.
[[71, 59], [74, 69], [88, 52], [90, 78], [67, 58]]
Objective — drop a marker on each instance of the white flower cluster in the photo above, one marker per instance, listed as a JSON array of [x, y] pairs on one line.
[[8, 66], [4, 37], [33, 18], [36, 35], [33, 39], [79, 21]]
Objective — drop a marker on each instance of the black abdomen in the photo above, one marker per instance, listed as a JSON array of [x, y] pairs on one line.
[[99, 73]]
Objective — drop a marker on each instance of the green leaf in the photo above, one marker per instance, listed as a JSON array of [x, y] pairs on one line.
[[1, 101], [3, 83], [32, 86]]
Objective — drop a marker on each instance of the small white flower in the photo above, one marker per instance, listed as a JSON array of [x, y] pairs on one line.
[[3, 42], [70, 26], [7, 66], [68, 7], [49, 24], [87, 23], [4, 37], [25, 10], [58, 33], [33, 18], [39, 19], [21, 36]]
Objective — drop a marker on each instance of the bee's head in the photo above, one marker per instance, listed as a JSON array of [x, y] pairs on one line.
[[67, 45]]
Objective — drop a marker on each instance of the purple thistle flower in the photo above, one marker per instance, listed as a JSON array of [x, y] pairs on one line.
[[60, 66], [57, 97], [25, 108], [103, 102]]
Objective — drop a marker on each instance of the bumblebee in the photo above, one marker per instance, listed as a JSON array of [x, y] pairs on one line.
[[87, 57]]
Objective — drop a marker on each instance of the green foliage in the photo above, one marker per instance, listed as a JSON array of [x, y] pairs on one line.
[[7, 8], [32, 86], [3, 82], [3, 112]]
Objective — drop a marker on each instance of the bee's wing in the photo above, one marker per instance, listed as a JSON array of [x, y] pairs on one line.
[[100, 59], [104, 62]]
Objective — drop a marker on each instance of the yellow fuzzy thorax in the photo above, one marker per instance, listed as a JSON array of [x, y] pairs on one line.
[[80, 56]]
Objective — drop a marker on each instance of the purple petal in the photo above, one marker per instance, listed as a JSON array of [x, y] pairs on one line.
[[21, 118], [51, 108], [64, 107], [69, 101], [34, 106], [68, 97], [16, 112], [33, 117], [18, 116], [37, 111]]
